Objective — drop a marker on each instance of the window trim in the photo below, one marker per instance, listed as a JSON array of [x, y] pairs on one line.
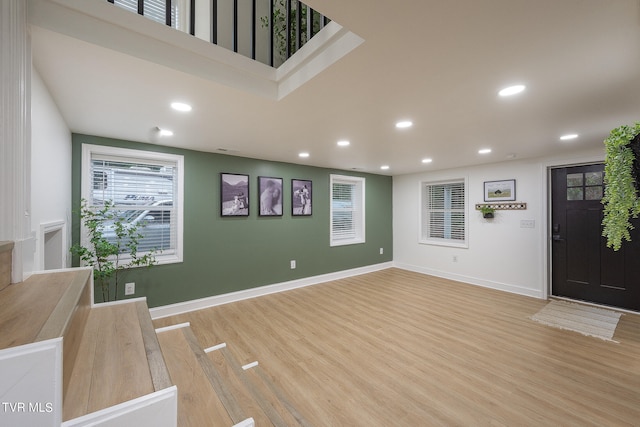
[[86, 182], [361, 233], [421, 207]]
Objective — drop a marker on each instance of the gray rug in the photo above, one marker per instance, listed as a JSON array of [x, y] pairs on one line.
[[591, 321]]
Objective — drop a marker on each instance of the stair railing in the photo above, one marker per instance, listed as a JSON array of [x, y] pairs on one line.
[[269, 31]]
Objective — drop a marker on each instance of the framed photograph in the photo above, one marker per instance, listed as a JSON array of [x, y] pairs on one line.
[[270, 190], [301, 197], [234, 194], [498, 191]]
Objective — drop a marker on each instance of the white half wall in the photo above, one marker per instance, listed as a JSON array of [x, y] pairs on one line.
[[502, 254], [50, 171], [31, 386]]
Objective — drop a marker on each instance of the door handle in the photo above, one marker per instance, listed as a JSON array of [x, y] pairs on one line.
[[557, 238]]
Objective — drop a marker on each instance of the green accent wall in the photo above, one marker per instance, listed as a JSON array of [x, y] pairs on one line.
[[229, 254]]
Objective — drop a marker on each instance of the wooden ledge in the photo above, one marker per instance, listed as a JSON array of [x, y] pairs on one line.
[[40, 307], [157, 366], [198, 403], [111, 366]]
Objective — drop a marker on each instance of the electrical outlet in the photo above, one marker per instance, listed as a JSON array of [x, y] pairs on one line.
[[293, 264], [455, 258], [129, 288], [381, 251]]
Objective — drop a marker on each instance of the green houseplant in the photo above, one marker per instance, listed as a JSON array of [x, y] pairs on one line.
[[621, 174], [487, 211], [112, 246], [280, 26]]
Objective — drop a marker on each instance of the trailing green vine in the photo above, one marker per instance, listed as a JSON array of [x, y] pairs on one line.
[[281, 23], [621, 193]]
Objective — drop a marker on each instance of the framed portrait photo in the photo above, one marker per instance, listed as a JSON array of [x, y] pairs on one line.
[[301, 197], [499, 191], [270, 190], [234, 194]]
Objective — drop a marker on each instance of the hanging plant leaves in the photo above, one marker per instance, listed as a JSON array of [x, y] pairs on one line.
[[621, 173], [634, 145]]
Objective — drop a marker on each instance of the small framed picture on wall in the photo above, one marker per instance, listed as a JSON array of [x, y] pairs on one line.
[[270, 190], [301, 197], [499, 191], [234, 194]]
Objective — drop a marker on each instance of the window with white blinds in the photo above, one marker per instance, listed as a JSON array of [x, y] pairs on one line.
[[156, 11], [443, 213], [145, 189], [347, 210]]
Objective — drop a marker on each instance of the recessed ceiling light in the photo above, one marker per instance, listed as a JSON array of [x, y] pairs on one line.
[[484, 151], [343, 143], [512, 90], [165, 132], [304, 155], [384, 167], [568, 137], [427, 160], [180, 106], [404, 124]]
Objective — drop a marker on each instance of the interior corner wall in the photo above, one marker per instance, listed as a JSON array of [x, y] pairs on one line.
[[50, 166], [223, 255], [501, 253]]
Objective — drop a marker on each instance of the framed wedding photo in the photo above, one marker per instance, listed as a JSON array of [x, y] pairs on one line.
[[270, 190], [301, 197], [234, 194]]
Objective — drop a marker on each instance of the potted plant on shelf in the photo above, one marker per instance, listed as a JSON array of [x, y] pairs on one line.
[[112, 246], [487, 211], [621, 178]]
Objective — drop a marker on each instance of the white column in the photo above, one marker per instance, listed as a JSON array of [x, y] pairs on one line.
[[15, 135]]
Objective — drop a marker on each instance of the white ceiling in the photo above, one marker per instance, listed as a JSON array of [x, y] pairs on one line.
[[437, 63]]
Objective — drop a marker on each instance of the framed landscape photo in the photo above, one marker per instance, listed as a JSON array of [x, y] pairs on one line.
[[499, 191], [270, 190], [301, 197], [234, 194]]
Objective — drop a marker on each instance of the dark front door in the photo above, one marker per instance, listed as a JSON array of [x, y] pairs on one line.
[[582, 266]]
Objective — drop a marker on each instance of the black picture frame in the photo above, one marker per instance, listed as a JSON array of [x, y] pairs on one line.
[[270, 193], [500, 191], [301, 197], [234, 194]]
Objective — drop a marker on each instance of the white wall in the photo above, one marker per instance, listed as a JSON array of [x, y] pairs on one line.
[[501, 254], [50, 168]]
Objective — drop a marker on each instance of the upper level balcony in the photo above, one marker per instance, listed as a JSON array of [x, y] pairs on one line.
[[269, 31], [269, 47]]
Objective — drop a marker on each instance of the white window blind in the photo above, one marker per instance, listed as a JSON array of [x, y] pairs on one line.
[[155, 10], [347, 210], [145, 189], [443, 213]]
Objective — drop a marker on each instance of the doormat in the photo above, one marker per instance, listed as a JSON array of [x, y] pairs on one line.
[[591, 321]]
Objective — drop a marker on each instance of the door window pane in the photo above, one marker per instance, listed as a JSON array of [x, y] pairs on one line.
[[575, 180], [575, 193], [593, 193], [593, 178]]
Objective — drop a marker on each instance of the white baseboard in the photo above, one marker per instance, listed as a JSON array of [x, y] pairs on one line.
[[198, 304], [536, 293]]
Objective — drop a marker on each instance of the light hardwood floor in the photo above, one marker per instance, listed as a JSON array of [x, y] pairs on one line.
[[111, 365], [396, 348]]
